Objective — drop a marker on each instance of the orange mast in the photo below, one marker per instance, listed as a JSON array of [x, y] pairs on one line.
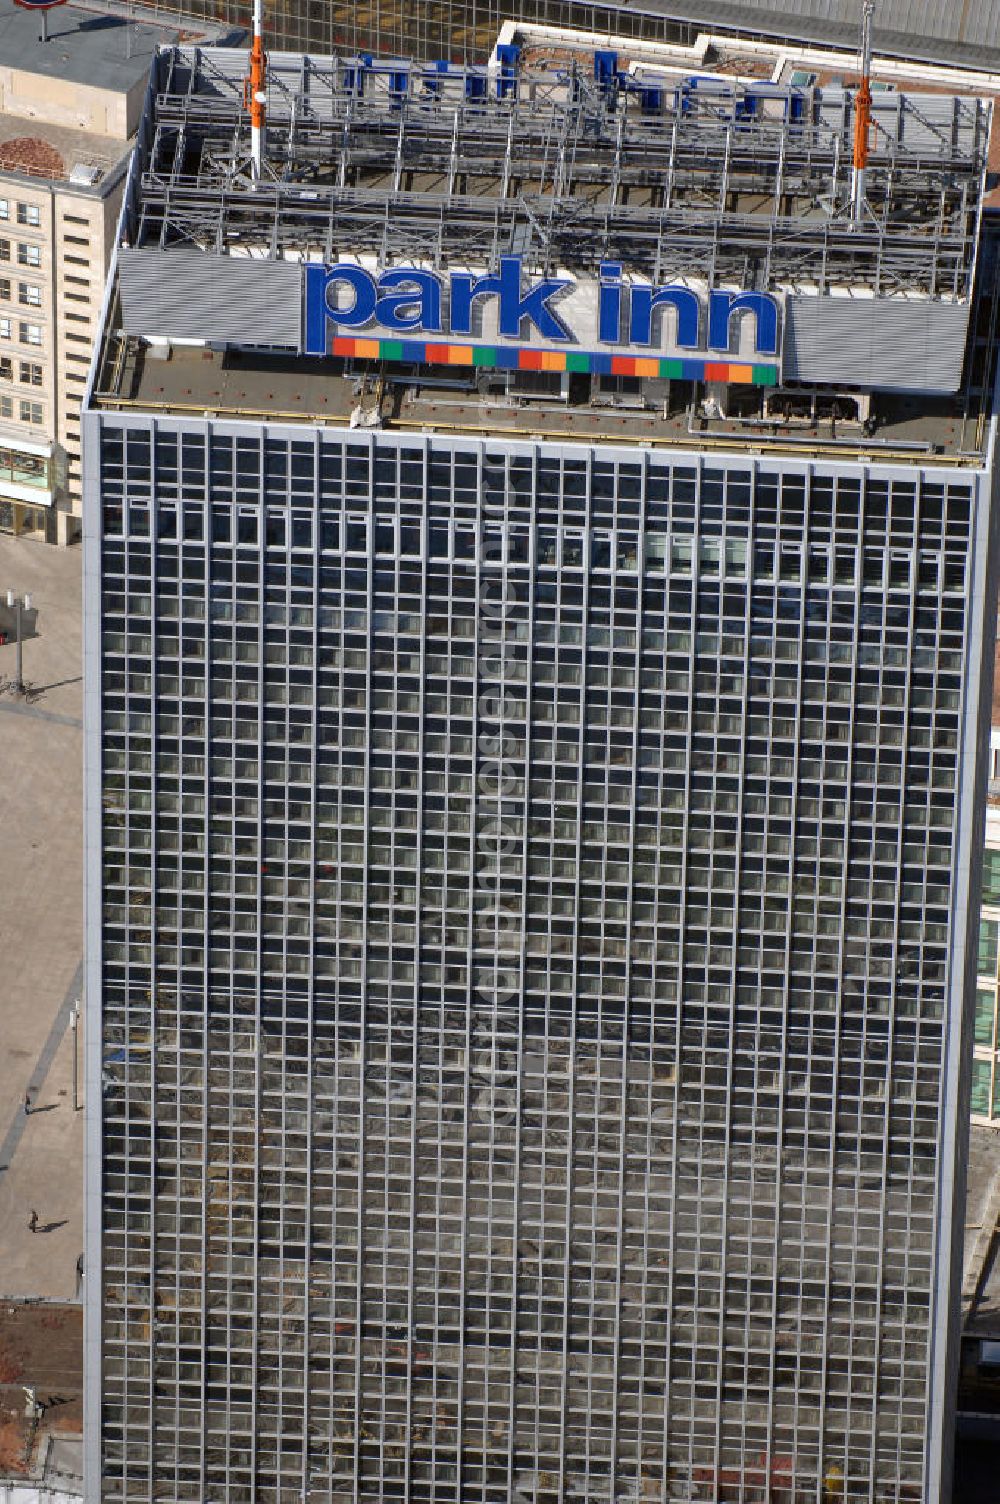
[[255, 92], [862, 116]]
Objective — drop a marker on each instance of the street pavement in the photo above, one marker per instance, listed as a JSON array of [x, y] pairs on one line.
[[41, 927]]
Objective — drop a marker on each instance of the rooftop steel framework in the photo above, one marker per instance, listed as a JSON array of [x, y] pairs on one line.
[[719, 179]]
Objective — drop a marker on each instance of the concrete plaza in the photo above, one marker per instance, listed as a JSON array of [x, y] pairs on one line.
[[41, 928]]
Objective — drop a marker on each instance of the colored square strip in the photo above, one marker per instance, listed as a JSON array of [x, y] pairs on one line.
[[515, 358]]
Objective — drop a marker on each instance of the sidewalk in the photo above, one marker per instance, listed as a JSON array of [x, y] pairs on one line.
[[41, 930]]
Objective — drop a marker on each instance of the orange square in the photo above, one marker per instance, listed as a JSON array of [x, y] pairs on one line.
[[741, 373], [366, 349], [459, 355], [647, 367], [553, 360]]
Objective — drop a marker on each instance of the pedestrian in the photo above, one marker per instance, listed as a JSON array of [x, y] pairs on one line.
[[27, 1102], [33, 1221]]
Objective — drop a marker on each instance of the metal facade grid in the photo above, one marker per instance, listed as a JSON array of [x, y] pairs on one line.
[[742, 183], [668, 1207]]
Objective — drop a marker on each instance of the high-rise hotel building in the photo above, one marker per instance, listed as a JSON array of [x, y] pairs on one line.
[[540, 580]]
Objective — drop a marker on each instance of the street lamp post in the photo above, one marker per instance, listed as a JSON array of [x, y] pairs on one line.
[[17, 604], [74, 1019]]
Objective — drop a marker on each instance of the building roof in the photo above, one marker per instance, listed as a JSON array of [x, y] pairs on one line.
[[91, 44], [937, 31], [257, 386], [39, 149]]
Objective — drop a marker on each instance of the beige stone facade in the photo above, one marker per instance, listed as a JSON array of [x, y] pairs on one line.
[[64, 153]]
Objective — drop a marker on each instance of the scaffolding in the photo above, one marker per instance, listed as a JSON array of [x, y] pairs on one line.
[[716, 179]]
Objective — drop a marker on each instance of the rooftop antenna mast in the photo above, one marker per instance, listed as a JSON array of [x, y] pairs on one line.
[[862, 115], [255, 93]]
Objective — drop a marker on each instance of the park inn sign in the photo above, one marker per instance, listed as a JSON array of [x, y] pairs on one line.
[[507, 320], [608, 325]]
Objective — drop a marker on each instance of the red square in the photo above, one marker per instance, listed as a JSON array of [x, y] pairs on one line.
[[716, 370], [436, 355], [529, 360], [343, 347], [622, 365]]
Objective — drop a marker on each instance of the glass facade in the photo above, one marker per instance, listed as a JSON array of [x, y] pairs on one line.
[[459, 30], [525, 959]]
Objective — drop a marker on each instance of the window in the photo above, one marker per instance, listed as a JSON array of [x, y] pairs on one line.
[[29, 295], [6, 407], [5, 329], [28, 255], [986, 1006], [30, 334], [31, 373], [991, 877], [4, 250], [981, 1086], [4, 208], [31, 412], [6, 368], [988, 931], [29, 214], [5, 289]]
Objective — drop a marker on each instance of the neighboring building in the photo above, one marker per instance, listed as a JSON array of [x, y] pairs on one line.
[[936, 31], [69, 109], [534, 788], [41, 1402]]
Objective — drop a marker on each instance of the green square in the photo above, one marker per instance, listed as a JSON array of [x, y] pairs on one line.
[[765, 375], [484, 355], [577, 360], [981, 1086], [991, 877], [673, 370], [986, 1009], [390, 349]]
